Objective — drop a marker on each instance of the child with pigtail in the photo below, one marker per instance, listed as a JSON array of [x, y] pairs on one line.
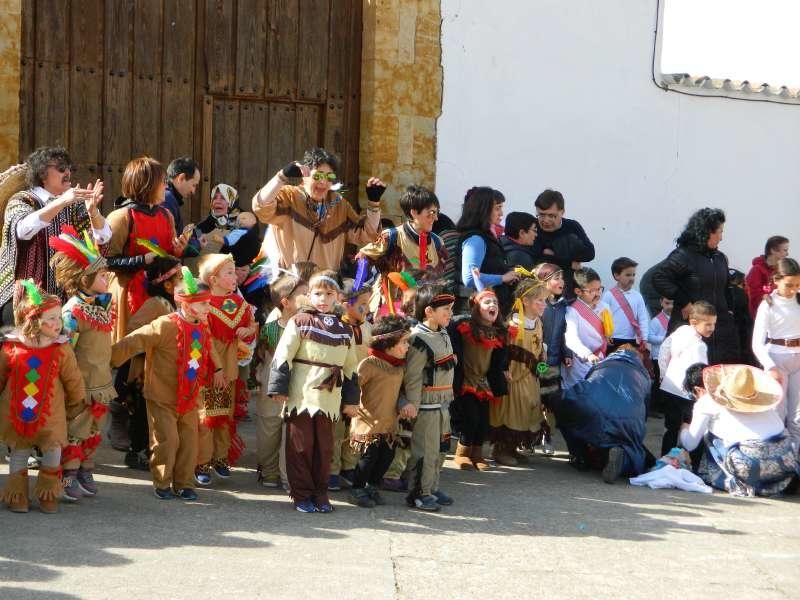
[[42, 389]]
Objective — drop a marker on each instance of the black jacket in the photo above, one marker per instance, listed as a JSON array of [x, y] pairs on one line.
[[569, 243], [519, 255]]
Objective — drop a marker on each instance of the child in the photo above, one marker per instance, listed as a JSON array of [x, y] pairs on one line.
[[682, 348], [412, 245], [356, 311], [230, 320], [520, 412], [179, 360], [588, 326], [269, 425], [628, 310], [479, 344], [313, 366], [88, 318], [776, 338], [554, 326], [373, 430], [162, 276], [428, 384], [42, 389], [656, 334], [518, 238]]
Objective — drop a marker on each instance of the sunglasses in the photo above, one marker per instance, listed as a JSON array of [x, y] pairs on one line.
[[61, 167], [320, 176]]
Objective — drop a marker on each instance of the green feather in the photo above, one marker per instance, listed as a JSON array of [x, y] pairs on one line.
[[32, 290], [154, 248], [412, 283], [189, 281]]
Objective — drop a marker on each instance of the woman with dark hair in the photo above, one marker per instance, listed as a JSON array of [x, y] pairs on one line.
[[482, 255], [697, 270], [758, 282]]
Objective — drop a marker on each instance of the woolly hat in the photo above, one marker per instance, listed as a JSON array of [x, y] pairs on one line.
[[210, 264]]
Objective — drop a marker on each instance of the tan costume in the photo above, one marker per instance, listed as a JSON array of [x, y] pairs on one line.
[[298, 234], [166, 343], [377, 410]]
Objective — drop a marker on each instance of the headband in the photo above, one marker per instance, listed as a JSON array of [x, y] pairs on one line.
[[389, 334], [81, 250], [34, 295], [192, 293], [329, 280], [442, 300], [517, 306], [164, 276], [484, 294], [537, 272]]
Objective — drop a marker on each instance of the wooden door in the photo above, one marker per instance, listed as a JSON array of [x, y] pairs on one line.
[[243, 86]]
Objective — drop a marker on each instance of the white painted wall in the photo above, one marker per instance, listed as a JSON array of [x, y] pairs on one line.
[[555, 93]]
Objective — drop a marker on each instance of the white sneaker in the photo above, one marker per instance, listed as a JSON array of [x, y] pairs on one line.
[[546, 449]]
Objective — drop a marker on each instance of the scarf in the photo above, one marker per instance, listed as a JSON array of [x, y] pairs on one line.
[[392, 360]]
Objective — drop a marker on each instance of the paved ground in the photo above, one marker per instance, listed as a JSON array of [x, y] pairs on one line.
[[537, 532]]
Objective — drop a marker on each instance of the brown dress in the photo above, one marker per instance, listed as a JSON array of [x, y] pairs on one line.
[[377, 410]]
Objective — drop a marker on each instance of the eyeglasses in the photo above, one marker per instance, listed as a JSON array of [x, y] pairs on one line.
[[599, 290], [548, 216], [320, 176], [61, 167], [431, 212]]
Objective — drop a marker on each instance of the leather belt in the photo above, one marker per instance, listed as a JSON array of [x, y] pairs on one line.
[[793, 343]]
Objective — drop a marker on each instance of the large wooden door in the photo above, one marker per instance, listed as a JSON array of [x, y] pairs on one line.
[[244, 86]]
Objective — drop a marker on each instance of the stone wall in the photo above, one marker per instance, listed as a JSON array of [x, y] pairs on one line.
[[401, 94], [10, 44]]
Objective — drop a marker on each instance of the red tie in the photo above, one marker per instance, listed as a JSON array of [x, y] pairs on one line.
[[423, 249]]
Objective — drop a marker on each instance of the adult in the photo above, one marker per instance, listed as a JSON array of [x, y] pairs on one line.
[[209, 235], [697, 270], [758, 282], [747, 450], [34, 214], [138, 224], [481, 252], [560, 240], [603, 417], [183, 177], [309, 221]]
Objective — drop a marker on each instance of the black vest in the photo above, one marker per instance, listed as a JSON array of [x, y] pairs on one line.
[[494, 263]]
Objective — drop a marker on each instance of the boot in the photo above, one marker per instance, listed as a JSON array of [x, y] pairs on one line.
[[462, 458], [118, 429], [15, 494], [476, 453], [49, 489], [504, 455]]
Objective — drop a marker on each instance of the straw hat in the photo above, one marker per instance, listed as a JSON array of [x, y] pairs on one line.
[[12, 180], [742, 388]]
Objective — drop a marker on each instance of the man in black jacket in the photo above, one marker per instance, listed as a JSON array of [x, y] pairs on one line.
[[558, 240]]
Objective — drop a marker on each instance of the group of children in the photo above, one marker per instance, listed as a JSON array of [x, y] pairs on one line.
[[361, 381]]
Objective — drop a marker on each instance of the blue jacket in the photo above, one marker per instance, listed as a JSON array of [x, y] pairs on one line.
[[554, 324], [173, 202]]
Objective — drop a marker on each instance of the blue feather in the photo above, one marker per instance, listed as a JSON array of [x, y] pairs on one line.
[[361, 273]]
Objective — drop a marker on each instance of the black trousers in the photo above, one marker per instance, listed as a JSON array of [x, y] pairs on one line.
[[138, 428], [470, 418], [677, 410], [373, 464]]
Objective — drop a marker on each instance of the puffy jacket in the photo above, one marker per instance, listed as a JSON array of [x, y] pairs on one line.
[[519, 255], [758, 283]]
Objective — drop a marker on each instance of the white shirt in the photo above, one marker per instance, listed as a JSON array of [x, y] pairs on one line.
[[30, 225], [622, 327], [680, 351], [583, 340], [781, 321], [731, 427], [656, 333]]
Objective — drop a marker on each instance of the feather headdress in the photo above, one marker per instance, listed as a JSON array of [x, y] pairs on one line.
[[27, 291], [83, 250], [191, 291]]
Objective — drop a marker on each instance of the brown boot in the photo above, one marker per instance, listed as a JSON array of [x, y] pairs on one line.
[[15, 494], [504, 455], [462, 458], [476, 453], [49, 489]]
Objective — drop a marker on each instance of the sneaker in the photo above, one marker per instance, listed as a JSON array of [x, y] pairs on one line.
[[523, 450], [427, 503], [137, 460], [361, 497], [34, 462], [86, 482], [348, 476], [546, 448], [269, 482], [333, 483], [394, 485], [375, 495], [613, 468], [324, 507], [163, 493], [186, 494], [202, 475], [72, 489], [222, 469], [443, 499], [305, 506]]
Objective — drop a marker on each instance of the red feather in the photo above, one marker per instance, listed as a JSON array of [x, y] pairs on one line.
[[60, 245], [70, 230]]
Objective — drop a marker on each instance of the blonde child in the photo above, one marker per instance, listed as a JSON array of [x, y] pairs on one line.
[[42, 389], [88, 318], [269, 424], [313, 364], [230, 320], [682, 348], [520, 412], [179, 360], [776, 338]]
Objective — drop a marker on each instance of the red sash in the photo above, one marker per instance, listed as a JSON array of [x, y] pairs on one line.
[[194, 354], [663, 319], [588, 315], [628, 312], [32, 375]]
